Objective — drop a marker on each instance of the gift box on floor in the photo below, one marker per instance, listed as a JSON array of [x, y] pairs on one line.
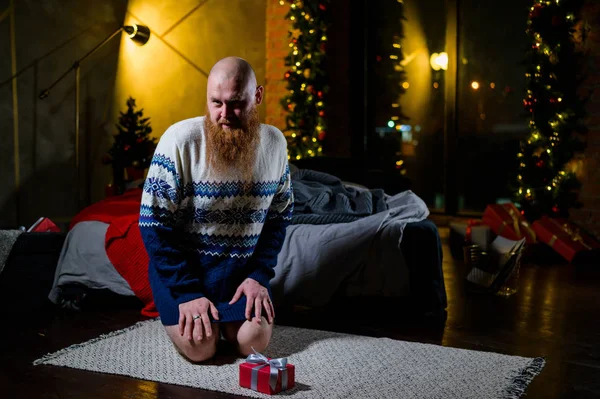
[[266, 375], [506, 221], [564, 237], [473, 231]]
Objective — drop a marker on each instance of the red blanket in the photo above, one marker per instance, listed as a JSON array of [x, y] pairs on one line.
[[124, 245]]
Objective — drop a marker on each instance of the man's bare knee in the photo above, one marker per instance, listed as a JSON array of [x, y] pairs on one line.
[[195, 351], [199, 353], [253, 335]]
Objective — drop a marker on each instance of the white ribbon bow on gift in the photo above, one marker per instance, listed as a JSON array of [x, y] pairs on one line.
[[275, 365]]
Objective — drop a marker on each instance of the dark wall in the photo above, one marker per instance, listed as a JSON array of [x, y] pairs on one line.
[[50, 35]]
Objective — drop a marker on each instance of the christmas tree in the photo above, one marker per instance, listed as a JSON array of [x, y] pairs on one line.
[[132, 146], [306, 78], [545, 185]]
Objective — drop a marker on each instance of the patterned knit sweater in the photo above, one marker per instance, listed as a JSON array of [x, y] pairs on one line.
[[204, 233]]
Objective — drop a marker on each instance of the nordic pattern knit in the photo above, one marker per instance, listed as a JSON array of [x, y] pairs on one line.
[[206, 233]]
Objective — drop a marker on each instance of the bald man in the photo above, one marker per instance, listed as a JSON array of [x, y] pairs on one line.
[[216, 203]]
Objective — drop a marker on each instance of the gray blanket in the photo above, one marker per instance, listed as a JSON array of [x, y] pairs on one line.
[[320, 198], [360, 258], [7, 240]]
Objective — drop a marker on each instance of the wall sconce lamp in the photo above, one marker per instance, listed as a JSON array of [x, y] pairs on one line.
[[439, 61], [139, 34]]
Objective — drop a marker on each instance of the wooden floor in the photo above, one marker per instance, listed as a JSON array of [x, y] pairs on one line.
[[555, 314]]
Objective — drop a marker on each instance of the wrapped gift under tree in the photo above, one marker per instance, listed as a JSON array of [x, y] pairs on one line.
[[469, 232], [505, 220], [564, 237]]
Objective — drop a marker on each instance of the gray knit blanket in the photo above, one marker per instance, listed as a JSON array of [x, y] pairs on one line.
[[7, 240], [320, 198]]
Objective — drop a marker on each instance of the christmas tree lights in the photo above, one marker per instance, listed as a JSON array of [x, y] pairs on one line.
[[306, 77], [545, 185]]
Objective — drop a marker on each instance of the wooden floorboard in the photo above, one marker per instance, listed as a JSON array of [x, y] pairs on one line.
[[555, 314]]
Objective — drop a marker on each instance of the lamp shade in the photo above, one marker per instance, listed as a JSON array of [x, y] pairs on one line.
[[140, 34]]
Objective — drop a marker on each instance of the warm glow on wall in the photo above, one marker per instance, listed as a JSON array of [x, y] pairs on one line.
[[168, 75]]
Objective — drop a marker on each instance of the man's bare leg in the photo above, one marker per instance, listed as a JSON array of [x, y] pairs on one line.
[[248, 334], [195, 350]]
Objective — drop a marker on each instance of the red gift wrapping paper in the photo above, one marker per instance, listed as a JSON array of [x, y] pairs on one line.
[[564, 237], [263, 377], [505, 220]]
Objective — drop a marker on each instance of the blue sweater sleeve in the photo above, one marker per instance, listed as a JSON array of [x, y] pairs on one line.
[[279, 216], [160, 226]]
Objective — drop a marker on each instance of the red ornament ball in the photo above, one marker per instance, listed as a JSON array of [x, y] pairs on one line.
[[555, 209], [540, 163], [322, 7], [319, 94], [557, 21], [287, 75], [321, 113], [537, 9], [322, 135]]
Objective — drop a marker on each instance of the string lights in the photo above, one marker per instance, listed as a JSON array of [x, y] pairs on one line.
[[544, 185], [306, 77]]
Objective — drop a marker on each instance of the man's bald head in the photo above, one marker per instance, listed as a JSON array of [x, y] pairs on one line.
[[234, 69]]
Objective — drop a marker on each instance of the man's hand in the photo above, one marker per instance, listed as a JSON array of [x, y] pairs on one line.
[[257, 296], [193, 315]]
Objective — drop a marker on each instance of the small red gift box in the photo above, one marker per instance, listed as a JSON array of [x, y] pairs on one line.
[[44, 225], [506, 221], [266, 375], [564, 237]]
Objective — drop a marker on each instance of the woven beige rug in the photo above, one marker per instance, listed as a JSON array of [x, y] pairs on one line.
[[328, 365]]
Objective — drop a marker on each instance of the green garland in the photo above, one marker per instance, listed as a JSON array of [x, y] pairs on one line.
[[306, 79], [545, 186]]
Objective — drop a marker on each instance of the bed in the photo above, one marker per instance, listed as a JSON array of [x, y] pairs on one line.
[[346, 241]]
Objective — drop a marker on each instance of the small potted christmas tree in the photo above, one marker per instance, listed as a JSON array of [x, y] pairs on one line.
[[132, 148]]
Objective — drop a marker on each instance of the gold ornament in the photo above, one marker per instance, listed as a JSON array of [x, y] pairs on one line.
[[307, 73], [296, 33]]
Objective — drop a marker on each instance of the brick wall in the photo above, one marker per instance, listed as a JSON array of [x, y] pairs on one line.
[[277, 49], [589, 216]]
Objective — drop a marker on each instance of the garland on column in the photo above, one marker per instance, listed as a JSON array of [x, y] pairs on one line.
[[545, 186], [306, 78]]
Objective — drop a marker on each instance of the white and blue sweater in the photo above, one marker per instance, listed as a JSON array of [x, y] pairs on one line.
[[204, 233]]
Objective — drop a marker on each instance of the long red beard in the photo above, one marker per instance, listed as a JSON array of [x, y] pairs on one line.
[[235, 148]]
